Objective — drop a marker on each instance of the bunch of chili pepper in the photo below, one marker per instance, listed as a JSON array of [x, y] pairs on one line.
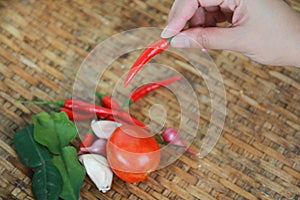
[[81, 110], [152, 50], [77, 109], [101, 112]]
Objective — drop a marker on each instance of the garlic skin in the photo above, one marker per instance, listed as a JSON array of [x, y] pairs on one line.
[[104, 128], [98, 170]]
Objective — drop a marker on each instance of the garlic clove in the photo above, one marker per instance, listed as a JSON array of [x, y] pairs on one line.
[[109, 177], [104, 128], [98, 170]]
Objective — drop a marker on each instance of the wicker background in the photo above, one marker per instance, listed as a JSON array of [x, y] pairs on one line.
[[43, 43]]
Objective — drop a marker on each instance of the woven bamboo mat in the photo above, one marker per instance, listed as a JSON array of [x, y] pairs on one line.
[[43, 43]]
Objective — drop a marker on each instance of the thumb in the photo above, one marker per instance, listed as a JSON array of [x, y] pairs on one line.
[[207, 38]]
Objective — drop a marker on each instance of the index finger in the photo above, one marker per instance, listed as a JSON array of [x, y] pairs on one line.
[[181, 12]]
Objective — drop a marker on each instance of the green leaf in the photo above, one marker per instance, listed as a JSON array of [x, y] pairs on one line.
[[72, 172], [54, 131], [46, 182], [31, 153]]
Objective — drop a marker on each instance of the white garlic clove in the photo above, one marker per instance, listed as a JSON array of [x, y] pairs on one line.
[[98, 170], [104, 128]]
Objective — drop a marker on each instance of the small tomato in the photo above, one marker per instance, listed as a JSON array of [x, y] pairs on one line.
[[132, 153]]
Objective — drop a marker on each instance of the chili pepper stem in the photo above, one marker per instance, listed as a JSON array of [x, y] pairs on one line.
[[126, 103], [98, 94], [160, 141], [60, 103], [170, 39]]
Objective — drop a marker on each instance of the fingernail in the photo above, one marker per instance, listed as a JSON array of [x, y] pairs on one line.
[[181, 41], [167, 32]]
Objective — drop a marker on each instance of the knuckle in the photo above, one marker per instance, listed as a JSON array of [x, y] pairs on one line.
[[203, 39]]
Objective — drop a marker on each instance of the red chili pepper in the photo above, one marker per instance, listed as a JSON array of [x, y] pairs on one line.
[[77, 105], [78, 116], [118, 119], [123, 115], [108, 102], [87, 140], [145, 89], [101, 112], [81, 105], [110, 118], [152, 50]]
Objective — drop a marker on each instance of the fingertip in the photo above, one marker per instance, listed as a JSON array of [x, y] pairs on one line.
[[180, 41], [168, 32]]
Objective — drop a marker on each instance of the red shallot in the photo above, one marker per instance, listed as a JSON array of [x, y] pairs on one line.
[[172, 136], [98, 147]]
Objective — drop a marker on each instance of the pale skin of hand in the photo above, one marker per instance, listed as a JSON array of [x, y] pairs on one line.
[[267, 31]]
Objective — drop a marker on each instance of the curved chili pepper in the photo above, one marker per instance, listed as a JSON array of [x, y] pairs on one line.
[[109, 102], [117, 119], [78, 116], [81, 105], [78, 105], [123, 115], [145, 89], [152, 50], [110, 118], [87, 140], [106, 100], [84, 106], [101, 111]]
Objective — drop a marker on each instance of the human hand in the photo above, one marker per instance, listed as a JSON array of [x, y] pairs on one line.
[[267, 31]]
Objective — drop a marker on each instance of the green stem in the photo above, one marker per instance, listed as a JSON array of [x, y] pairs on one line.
[[169, 39], [98, 94], [160, 141], [60, 103], [126, 103]]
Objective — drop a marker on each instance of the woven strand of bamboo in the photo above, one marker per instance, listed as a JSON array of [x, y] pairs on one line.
[[42, 45]]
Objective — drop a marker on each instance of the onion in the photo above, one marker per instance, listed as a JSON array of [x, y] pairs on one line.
[[98, 147], [172, 136]]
